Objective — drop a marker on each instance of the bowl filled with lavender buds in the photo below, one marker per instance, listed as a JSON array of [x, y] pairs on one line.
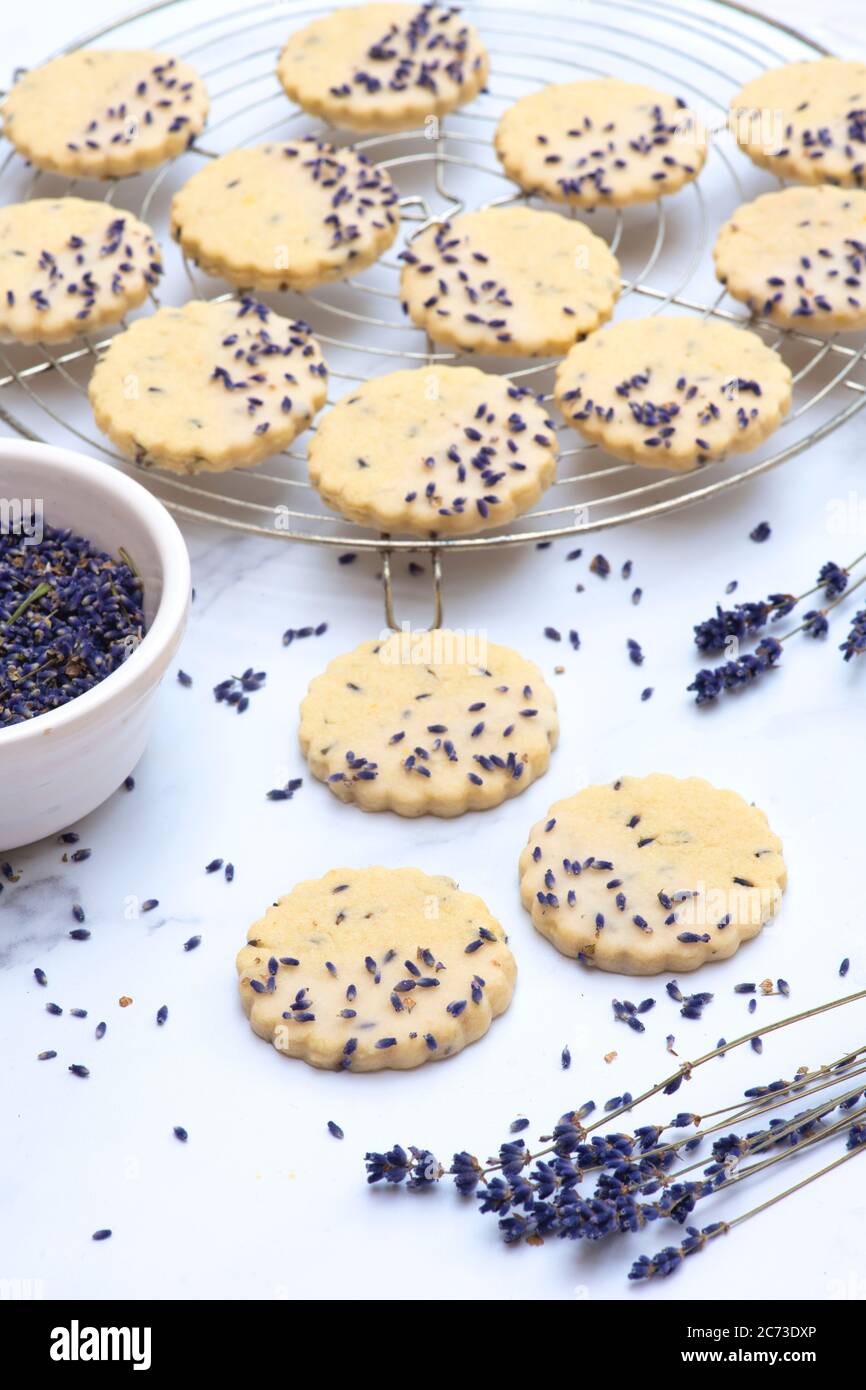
[[94, 598]]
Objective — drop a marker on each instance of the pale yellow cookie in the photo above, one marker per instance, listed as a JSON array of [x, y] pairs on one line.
[[429, 723], [384, 66], [798, 257], [651, 873], [435, 451], [68, 266], [209, 386], [673, 392], [509, 281], [105, 113], [806, 121], [286, 216], [602, 141], [365, 969]]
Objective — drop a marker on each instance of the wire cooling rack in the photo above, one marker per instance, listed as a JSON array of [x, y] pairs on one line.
[[702, 50]]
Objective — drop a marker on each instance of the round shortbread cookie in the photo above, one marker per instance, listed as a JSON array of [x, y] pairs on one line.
[[383, 66], [286, 216], [429, 723], [435, 451], [798, 254], [673, 392], [602, 141], [68, 265], [365, 969], [651, 873], [806, 121], [509, 281], [105, 113], [209, 386]]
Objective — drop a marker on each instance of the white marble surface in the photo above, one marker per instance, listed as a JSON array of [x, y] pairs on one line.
[[262, 1202]]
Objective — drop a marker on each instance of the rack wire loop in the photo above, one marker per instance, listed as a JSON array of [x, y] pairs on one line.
[[388, 586]]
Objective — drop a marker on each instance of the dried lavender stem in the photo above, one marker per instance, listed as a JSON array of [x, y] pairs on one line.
[[804, 1182], [684, 1072], [807, 1116], [39, 592], [801, 1086]]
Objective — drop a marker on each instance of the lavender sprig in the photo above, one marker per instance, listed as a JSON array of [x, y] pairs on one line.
[[534, 1195], [747, 619]]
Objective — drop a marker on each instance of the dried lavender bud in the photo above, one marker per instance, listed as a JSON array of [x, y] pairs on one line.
[[70, 615]]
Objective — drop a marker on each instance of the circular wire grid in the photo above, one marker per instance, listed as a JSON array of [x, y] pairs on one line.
[[702, 50]]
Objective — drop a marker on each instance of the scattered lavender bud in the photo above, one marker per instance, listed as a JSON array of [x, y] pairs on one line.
[[565, 1058], [162, 1014], [193, 942], [40, 976], [761, 532], [334, 1128], [184, 679], [45, 1056], [101, 1235], [180, 1133]]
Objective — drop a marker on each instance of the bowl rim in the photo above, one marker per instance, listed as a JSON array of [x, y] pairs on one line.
[[146, 665]]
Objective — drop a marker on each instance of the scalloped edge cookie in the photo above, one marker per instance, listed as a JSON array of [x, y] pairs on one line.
[[651, 874], [367, 969], [375, 730]]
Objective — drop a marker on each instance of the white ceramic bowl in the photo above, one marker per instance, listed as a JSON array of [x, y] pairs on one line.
[[56, 768]]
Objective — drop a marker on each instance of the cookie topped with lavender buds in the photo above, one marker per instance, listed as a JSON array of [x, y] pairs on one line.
[[600, 142], [509, 282], [384, 66], [286, 216], [651, 873], [673, 392], [434, 451], [367, 969], [429, 723], [798, 257], [806, 121], [209, 386], [68, 265], [105, 113]]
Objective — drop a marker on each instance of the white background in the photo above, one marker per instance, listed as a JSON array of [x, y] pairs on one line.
[[262, 1202]]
